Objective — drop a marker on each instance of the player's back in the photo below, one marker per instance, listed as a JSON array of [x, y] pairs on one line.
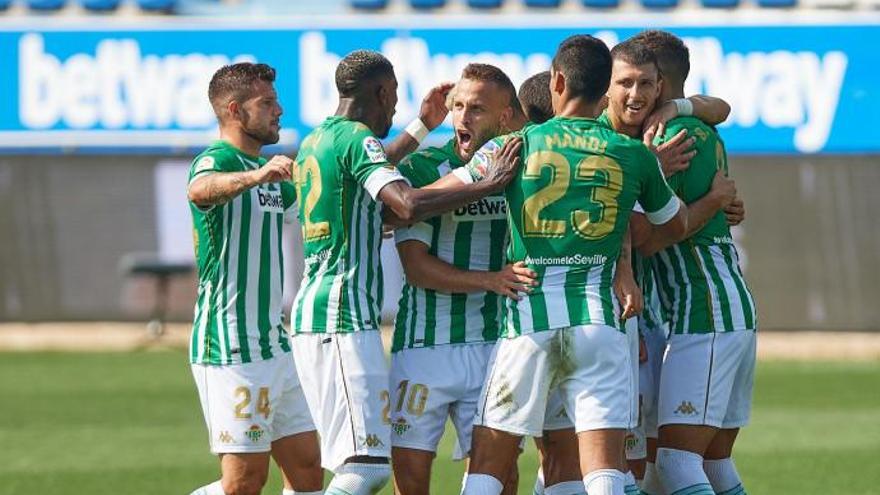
[[701, 284], [341, 224], [568, 210]]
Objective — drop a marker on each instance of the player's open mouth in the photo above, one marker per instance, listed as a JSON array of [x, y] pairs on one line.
[[464, 138], [635, 107]]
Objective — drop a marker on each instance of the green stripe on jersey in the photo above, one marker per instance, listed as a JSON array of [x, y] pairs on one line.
[[238, 253], [341, 290], [470, 238]]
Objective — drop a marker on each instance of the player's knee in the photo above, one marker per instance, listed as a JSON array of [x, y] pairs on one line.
[[245, 485], [361, 479]]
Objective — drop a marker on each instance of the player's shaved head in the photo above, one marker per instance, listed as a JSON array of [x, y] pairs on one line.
[[586, 64], [673, 57], [236, 82], [534, 95], [633, 52], [360, 68]]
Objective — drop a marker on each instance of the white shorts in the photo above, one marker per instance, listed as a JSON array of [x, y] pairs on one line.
[[249, 406], [707, 379], [345, 380], [649, 377], [432, 383], [589, 364]]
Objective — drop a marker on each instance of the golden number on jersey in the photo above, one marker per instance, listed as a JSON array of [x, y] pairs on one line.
[[608, 178], [310, 169]]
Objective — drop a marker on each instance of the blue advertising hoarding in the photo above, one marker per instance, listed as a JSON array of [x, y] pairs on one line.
[[803, 88]]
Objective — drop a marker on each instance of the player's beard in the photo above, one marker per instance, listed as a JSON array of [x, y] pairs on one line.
[[263, 136]]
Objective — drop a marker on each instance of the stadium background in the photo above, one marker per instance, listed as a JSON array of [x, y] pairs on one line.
[[102, 105]]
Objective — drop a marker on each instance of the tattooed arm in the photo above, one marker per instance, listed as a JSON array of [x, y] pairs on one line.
[[220, 187]]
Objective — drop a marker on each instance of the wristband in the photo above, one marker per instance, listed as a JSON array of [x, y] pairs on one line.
[[417, 130], [684, 107]]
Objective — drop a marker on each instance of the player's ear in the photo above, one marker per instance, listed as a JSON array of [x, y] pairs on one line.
[[233, 109], [557, 83], [506, 117]]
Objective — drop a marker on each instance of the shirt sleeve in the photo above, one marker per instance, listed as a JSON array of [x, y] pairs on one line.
[[656, 197], [205, 165], [421, 231], [369, 165], [288, 196]]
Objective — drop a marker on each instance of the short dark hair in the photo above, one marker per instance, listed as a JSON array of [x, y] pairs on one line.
[[492, 74], [358, 68], [534, 94], [633, 52], [236, 81], [673, 56], [586, 63]]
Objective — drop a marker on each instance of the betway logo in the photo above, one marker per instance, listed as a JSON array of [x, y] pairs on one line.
[[798, 90], [270, 201], [416, 68], [116, 87], [491, 208], [779, 89]]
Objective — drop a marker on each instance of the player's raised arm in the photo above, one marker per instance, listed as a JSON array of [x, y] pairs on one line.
[[210, 188], [405, 205], [431, 115], [708, 109]]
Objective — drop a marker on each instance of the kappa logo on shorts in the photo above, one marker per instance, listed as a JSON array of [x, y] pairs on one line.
[[686, 409], [225, 437], [255, 433], [372, 440], [400, 426]]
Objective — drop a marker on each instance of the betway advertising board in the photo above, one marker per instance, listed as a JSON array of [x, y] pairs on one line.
[[804, 88]]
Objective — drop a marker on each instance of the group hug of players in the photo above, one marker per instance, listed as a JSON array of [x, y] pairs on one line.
[[570, 276]]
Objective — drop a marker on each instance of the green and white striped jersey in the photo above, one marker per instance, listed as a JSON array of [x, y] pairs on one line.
[[701, 285], [238, 251], [340, 169], [643, 271], [568, 209], [470, 238]]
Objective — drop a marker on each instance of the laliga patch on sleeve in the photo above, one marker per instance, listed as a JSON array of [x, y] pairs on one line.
[[374, 150], [206, 163]]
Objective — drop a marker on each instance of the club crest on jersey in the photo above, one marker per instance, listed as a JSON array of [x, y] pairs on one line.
[[374, 150], [204, 164]]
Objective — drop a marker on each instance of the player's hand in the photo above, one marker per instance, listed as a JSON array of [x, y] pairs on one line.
[[511, 280], [723, 189], [674, 155], [735, 212], [628, 292], [278, 169], [656, 122], [505, 163], [433, 110]]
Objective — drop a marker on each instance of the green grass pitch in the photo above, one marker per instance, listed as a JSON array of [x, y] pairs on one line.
[[107, 423]]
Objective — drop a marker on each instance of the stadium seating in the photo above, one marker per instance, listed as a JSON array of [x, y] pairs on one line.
[[484, 4], [427, 4], [603, 4], [542, 3], [100, 5], [369, 4], [777, 3], [4, 4], [659, 4], [157, 5], [45, 5], [720, 3]]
